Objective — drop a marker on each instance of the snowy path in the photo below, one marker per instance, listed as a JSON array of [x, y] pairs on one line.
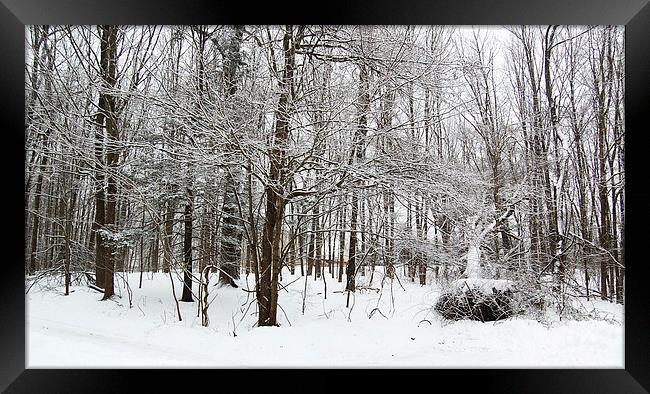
[[79, 347]]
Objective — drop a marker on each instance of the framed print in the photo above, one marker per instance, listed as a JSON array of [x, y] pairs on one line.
[[441, 187]]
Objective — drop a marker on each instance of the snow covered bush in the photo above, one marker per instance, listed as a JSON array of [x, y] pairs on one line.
[[478, 299]]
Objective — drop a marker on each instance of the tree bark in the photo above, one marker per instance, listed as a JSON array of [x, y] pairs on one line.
[[270, 264], [187, 249], [107, 104], [232, 228]]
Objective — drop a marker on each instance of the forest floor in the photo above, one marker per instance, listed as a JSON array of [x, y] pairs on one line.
[[384, 327]]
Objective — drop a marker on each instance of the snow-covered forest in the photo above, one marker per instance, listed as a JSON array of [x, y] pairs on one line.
[[374, 195]]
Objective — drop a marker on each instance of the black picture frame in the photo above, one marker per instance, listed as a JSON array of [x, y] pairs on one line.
[[634, 14]]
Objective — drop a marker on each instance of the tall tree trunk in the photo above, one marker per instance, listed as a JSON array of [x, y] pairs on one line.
[[231, 233], [187, 249], [311, 247], [538, 158], [68, 231], [554, 239], [33, 266], [48, 61], [108, 106], [168, 247], [352, 253], [206, 242], [270, 264], [341, 239], [602, 74], [301, 249], [318, 244], [232, 227], [581, 177], [357, 154], [155, 252], [100, 197]]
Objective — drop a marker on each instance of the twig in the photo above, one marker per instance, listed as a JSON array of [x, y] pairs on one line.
[[178, 309], [285, 314], [372, 312]]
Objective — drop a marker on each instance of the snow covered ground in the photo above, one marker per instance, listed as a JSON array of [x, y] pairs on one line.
[[387, 328]]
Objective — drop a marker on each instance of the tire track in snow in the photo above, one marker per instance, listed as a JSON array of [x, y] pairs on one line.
[[74, 333]]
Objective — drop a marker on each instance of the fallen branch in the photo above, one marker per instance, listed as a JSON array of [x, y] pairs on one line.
[[368, 288], [288, 284], [96, 288], [90, 277]]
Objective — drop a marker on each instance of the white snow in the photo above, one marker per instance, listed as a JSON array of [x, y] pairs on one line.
[[80, 331], [473, 269], [485, 285]]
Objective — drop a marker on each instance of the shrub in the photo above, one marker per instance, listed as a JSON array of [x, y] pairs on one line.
[[483, 300]]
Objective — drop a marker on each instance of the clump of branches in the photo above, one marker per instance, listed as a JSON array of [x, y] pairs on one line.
[[475, 303]]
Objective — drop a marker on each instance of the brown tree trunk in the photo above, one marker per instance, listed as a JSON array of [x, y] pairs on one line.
[[187, 249], [168, 236], [341, 239], [352, 252], [311, 248], [107, 106], [318, 245], [550, 191], [205, 237], [602, 80], [33, 266], [270, 264], [40, 38]]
